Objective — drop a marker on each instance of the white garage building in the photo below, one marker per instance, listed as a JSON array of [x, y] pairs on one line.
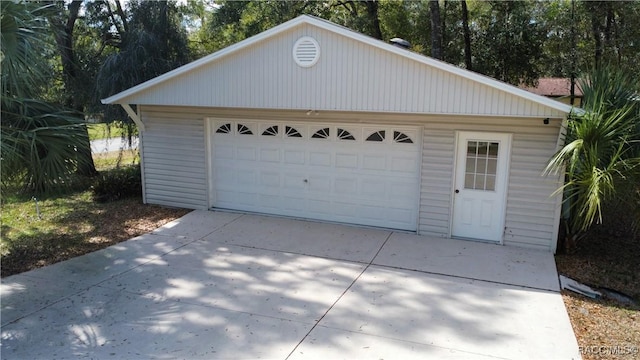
[[312, 120]]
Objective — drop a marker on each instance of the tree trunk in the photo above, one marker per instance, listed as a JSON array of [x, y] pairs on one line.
[[609, 18], [467, 36], [374, 19], [443, 28], [574, 55], [436, 30], [64, 40], [123, 17], [597, 34]]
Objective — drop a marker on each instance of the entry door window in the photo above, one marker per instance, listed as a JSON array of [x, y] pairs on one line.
[[481, 165]]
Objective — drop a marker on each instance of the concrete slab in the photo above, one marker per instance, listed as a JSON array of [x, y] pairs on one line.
[[474, 260], [332, 241], [197, 224], [106, 324], [23, 295], [463, 315], [264, 282], [326, 343], [101, 265], [219, 285]]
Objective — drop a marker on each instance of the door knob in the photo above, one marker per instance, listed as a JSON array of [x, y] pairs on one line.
[[305, 180], [457, 191]]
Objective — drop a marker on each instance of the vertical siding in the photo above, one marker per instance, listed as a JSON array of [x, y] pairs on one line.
[[349, 76], [174, 165]]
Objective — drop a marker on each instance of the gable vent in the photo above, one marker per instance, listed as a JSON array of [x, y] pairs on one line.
[[306, 51]]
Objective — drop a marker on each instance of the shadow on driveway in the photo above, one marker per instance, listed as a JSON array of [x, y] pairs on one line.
[[217, 285]]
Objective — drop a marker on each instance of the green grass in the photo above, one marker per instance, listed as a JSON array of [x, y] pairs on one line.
[[106, 161], [104, 131], [69, 226], [26, 221], [71, 223]]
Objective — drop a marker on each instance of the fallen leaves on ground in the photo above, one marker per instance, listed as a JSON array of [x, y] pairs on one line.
[[86, 228], [605, 328]]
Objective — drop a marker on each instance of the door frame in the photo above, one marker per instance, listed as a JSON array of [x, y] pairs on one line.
[[483, 134]]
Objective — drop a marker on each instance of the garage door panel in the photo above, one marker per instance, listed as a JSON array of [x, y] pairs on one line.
[[291, 203], [345, 186], [246, 177], [270, 179], [267, 201], [348, 161], [373, 188], [345, 210], [335, 176], [320, 159], [399, 215], [374, 162], [294, 157], [245, 153], [223, 152], [270, 154], [402, 190], [406, 164], [372, 212], [320, 184], [224, 175]]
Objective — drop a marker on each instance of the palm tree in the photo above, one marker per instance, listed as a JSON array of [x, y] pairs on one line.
[[40, 140], [601, 155]]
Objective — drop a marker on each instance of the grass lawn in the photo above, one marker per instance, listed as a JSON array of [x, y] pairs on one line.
[[104, 131], [110, 160], [72, 224], [605, 325]]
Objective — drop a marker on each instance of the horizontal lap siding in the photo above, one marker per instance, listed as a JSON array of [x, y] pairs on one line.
[[530, 211], [437, 172], [531, 208], [174, 159]]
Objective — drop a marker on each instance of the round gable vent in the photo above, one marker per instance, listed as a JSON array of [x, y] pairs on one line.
[[306, 51]]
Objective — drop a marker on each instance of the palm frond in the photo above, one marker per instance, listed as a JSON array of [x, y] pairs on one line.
[[601, 146]]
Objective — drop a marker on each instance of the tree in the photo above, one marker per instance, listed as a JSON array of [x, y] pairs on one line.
[[467, 36], [152, 42], [40, 139], [374, 18], [601, 154], [436, 30], [508, 41], [63, 23]]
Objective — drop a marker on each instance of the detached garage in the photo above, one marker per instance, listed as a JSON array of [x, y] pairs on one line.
[[312, 120]]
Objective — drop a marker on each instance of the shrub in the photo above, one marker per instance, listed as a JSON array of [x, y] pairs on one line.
[[117, 184]]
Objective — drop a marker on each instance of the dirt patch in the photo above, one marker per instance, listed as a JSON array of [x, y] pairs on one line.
[[605, 328], [88, 227]]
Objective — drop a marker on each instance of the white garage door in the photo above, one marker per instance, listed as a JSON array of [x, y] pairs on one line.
[[358, 174]]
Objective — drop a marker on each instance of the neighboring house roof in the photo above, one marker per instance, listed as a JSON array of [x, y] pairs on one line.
[[553, 87], [392, 67]]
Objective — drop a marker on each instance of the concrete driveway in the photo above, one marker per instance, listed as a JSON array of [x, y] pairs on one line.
[[216, 285]]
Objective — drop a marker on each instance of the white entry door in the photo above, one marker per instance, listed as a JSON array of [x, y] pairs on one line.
[[481, 185], [350, 173]]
